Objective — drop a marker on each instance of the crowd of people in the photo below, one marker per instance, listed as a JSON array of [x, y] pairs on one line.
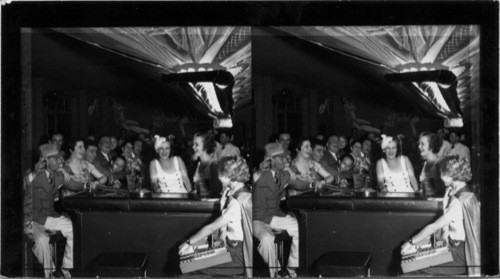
[[251, 188]]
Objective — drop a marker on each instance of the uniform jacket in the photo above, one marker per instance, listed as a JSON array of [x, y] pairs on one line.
[[244, 198], [472, 225], [267, 196]]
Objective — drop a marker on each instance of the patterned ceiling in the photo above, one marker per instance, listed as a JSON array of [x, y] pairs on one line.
[[396, 49], [410, 48], [176, 49]]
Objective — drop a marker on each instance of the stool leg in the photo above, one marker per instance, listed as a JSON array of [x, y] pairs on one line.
[[280, 252], [54, 256], [282, 256], [25, 259]]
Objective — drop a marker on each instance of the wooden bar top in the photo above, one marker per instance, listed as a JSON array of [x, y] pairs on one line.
[[186, 203], [385, 202]]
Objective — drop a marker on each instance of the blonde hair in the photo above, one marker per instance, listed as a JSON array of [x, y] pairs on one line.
[[235, 168], [456, 168]]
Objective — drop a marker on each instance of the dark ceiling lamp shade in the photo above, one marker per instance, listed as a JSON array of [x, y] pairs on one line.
[[220, 77], [442, 77], [446, 80], [223, 83]]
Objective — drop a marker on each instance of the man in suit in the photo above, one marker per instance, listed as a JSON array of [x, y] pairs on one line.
[[91, 151], [227, 148], [446, 146], [41, 191], [57, 139], [457, 148], [285, 140], [102, 160], [268, 191], [330, 160]]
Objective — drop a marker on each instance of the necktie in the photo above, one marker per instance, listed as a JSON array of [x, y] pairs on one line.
[[51, 178], [277, 178]]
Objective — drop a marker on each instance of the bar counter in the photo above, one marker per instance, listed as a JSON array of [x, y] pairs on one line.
[[379, 224], [156, 225]]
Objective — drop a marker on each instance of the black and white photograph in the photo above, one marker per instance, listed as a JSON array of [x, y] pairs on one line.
[[249, 139]]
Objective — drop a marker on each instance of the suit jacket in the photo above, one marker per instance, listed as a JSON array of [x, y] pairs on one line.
[[101, 164], [267, 195], [329, 163], [244, 198], [44, 196]]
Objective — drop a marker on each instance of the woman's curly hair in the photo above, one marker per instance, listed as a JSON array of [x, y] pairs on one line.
[[235, 168], [456, 168], [209, 144]]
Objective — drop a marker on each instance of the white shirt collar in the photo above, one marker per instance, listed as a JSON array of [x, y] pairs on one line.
[[105, 155], [333, 154]]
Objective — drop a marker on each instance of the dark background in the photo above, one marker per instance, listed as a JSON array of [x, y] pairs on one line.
[[66, 14]]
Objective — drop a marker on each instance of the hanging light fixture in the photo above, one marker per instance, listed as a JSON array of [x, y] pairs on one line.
[[212, 85]]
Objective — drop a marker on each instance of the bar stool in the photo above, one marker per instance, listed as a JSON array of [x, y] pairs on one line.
[[54, 238], [344, 264], [280, 236]]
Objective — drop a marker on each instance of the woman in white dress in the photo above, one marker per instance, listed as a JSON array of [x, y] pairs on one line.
[[395, 172], [168, 172]]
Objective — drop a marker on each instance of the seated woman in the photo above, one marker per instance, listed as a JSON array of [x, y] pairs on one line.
[[344, 175], [235, 222], [309, 173], [205, 176], [395, 171], [429, 145], [117, 178], [81, 170], [168, 173], [134, 163], [362, 162], [459, 225]]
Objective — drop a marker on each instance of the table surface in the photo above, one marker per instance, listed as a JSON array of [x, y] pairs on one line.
[[328, 199], [155, 202]]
